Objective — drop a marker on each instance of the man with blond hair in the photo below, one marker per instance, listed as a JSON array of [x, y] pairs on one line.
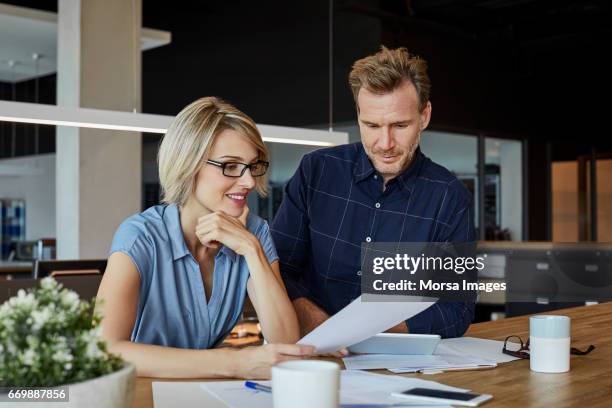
[[382, 189]]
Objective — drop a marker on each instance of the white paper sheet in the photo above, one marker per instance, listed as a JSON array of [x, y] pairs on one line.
[[182, 394], [358, 321], [412, 363], [356, 387], [452, 363], [461, 352], [478, 348], [388, 361], [360, 387], [235, 394]]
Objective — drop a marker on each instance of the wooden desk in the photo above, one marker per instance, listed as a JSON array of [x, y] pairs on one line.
[[589, 382]]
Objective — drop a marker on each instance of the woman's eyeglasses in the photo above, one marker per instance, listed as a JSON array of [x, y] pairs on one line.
[[514, 346], [237, 169]]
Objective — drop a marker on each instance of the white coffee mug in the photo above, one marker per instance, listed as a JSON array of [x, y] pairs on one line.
[[306, 384], [549, 343]]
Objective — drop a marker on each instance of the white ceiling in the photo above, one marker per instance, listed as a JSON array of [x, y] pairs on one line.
[[24, 32]]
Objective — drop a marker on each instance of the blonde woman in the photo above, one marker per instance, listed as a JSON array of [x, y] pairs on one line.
[[178, 273]]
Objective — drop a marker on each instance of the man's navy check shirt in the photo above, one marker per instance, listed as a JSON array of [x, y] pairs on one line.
[[335, 201]]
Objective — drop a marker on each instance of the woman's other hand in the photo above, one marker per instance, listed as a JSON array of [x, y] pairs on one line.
[[343, 352], [256, 362]]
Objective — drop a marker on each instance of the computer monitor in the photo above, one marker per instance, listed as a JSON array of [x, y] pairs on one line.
[[69, 267]]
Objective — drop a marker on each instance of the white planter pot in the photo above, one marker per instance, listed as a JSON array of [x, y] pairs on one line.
[[113, 390]]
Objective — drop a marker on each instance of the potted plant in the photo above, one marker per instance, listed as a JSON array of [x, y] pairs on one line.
[[50, 338]]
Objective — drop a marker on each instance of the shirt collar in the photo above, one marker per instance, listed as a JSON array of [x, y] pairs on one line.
[[175, 232], [177, 240], [364, 168], [408, 176]]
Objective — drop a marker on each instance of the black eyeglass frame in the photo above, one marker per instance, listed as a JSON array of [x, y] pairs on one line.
[[245, 166], [523, 351]]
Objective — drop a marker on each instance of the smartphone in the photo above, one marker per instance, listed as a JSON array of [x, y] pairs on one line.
[[443, 397]]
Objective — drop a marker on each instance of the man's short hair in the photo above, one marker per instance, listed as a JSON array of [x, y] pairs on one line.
[[187, 143], [384, 71]]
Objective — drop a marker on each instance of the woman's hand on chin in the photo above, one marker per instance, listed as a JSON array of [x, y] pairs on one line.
[[218, 227]]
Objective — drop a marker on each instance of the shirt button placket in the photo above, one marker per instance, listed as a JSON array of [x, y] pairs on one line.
[[377, 205]]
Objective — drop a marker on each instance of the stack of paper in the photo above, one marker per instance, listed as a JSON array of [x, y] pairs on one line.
[[451, 354], [413, 363], [474, 347], [357, 387]]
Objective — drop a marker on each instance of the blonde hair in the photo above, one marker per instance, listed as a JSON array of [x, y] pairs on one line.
[[186, 145], [384, 71]]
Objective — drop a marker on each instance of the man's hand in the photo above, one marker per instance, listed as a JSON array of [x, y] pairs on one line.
[[399, 328], [310, 316]]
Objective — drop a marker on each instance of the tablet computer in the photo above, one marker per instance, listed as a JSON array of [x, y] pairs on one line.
[[397, 343]]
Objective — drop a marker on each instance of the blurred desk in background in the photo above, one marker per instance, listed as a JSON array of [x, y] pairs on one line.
[[10, 268], [85, 286]]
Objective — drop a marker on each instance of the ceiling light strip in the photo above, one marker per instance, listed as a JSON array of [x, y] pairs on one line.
[[24, 112]]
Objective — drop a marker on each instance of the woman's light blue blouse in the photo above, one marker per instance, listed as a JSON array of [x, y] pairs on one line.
[[172, 306]]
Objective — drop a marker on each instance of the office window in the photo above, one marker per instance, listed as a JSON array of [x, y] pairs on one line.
[[503, 190], [284, 161], [458, 153]]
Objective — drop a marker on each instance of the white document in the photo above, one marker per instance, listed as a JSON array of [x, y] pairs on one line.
[[388, 361], [359, 321], [182, 394], [235, 394], [452, 363], [460, 352], [360, 387], [356, 387], [412, 363], [473, 347]]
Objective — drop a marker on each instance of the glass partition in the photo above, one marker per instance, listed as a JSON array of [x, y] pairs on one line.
[[459, 154], [503, 190], [27, 192]]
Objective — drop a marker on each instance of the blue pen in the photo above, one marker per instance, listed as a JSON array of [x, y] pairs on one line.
[[259, 387]]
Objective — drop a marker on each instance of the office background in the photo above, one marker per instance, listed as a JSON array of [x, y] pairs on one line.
[[519, 100]]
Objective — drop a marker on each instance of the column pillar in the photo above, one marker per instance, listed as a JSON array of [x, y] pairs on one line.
[[98, 172]]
